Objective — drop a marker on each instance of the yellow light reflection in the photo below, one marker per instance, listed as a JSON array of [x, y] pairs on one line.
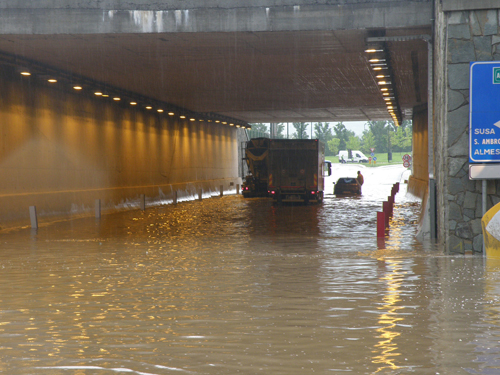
[[387, 346]]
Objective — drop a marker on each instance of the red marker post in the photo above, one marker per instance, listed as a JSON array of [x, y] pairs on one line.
[[380, 225], [391, 204], [387, 210]]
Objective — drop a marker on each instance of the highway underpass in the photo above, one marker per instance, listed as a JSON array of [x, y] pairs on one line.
[[218, 63]]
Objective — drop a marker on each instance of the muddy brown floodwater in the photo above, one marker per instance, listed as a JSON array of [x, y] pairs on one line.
[[241, 286]]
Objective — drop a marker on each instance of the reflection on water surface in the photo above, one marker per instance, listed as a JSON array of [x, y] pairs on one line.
[[229, 285]]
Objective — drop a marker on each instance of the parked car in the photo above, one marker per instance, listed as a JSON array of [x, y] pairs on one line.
[[352, 156]]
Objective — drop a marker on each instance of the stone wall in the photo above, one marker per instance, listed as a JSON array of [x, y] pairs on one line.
[[461, 37]]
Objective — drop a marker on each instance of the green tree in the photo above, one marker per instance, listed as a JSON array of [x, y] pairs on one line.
[[276, 130], [399, 139], [353, 143], [407, 125], [333, 146], [401, 136], [368, 142], [260, 127], [323, 132], [343, 135], [300, 130], [380, 131], [280, 130], [407, 146]]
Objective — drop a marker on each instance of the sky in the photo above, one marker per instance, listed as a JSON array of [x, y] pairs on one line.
[[356, 126]]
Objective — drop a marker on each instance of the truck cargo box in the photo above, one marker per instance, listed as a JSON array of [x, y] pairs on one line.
[[296, 170]]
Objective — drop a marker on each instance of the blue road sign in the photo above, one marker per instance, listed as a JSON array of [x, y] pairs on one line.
[[484, 112], [375, 158], [372, 154]]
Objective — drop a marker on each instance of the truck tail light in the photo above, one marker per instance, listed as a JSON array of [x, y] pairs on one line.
[[272, 192], [313, 192]]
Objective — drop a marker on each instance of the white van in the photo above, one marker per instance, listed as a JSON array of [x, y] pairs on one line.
[[350, 156]]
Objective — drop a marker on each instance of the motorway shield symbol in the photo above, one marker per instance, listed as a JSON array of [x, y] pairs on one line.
[[496, 75]]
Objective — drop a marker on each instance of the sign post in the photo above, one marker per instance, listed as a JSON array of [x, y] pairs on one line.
[[406, 160]]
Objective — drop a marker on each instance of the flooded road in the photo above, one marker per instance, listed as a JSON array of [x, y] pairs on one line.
[[241, 286]]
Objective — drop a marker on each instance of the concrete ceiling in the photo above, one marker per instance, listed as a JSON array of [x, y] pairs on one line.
[[252, 76]]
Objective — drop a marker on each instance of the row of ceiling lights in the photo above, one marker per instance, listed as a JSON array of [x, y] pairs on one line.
[[379, 60], [98, 93]]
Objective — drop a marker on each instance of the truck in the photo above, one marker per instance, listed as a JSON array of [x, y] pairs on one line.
[[297, 169], [352, 156], [256, 158]]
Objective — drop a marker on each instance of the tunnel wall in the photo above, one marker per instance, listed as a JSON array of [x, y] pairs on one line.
[[461, 37], [419, 179], [61, 150]]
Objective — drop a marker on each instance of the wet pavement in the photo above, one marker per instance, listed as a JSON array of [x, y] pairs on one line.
[[242, 286]]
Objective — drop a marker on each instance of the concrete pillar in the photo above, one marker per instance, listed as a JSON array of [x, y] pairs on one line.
[[200, 194], [222, 190], [237, 189], [175, 197]]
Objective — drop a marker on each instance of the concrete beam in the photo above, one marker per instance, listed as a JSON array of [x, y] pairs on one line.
[[178, 4], [459, 5], [117, 19]]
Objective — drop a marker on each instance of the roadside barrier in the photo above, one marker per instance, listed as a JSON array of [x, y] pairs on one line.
[[142, 203], [97, 208], [383, 218], [33, 217]]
